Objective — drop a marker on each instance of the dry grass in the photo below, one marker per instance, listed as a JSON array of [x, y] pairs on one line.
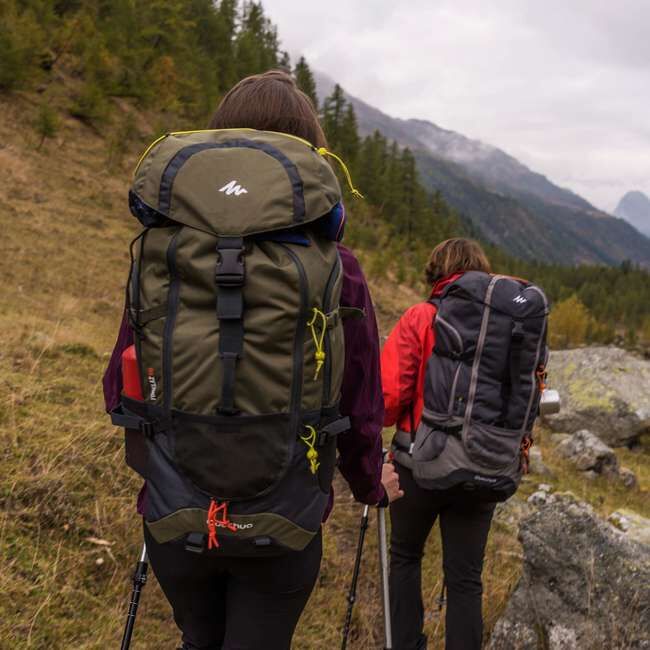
[[64, 486]]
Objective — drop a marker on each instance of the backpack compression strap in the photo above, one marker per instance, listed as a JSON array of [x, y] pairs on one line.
[[230, 278], [514, 364]]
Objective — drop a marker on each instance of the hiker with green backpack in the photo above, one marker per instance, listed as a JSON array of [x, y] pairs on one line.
[[248, 356]]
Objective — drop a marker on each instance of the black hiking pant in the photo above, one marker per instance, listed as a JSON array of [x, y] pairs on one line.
[[464, 526], [225, 603]]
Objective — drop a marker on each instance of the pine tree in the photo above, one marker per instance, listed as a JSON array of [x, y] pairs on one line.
[[333, 115], [349, 145], [305, 80], [284, 62]]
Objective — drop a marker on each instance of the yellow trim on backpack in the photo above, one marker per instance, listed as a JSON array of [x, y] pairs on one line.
[[323, 151]]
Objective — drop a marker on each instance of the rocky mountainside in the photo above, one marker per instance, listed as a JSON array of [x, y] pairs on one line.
[[635, 208], [510, 205], [585, 584]]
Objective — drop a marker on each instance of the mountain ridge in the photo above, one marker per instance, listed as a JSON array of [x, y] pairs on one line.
[[509, 204]]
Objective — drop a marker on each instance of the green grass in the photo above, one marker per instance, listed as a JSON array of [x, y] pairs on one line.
[[64, 485]]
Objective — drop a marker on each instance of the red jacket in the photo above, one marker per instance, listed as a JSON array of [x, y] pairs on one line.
[[404, 361]]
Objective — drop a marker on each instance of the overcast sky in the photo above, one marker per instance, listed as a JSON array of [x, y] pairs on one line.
[[563, 85]]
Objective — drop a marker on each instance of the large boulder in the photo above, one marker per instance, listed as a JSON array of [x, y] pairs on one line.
[[593, 457], [589, 453], [585, 584], [603, 389]]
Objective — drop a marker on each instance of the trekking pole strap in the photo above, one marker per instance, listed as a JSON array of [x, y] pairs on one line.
[[332, 430]]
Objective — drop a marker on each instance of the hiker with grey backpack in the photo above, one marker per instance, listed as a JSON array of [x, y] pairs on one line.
[[247, 358], [463, 374]]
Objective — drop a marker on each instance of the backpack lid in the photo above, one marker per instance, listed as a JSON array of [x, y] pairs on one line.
[[235, 182]]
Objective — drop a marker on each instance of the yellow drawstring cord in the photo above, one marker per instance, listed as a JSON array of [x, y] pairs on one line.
[[319, 339], [325, 152], [312, 454]]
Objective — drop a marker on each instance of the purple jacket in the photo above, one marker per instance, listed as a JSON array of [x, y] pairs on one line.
[[360, 449]]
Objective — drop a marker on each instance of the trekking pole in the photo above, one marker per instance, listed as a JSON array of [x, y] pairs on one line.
[[383, 567], [352, 595], [139, 581]]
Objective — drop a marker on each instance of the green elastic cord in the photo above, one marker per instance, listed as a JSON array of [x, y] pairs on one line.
[[312, 453], [319, 338]]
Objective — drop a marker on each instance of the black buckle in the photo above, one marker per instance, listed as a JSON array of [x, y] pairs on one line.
[[222, 410], [230, 267], [517, 332], [195, 542], [147, 428], [331, 431], [322, 438]]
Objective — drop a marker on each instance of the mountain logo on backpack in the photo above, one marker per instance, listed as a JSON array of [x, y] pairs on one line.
[[520, 300], [233, 188]]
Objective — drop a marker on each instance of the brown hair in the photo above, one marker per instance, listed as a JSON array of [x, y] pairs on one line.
[[455, 256], [270, 102]]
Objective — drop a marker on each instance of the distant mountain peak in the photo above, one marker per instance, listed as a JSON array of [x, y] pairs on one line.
[[634, 207]]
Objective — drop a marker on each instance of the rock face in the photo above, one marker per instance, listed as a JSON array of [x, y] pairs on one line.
[[603, 389], [585, 584], [632, 524], [511, 512], [591, 455]]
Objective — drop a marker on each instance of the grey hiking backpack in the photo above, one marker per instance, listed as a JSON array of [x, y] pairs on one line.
[[234, 300], [482, 386]]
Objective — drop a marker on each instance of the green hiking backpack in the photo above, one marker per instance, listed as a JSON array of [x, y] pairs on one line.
[[234, 300]]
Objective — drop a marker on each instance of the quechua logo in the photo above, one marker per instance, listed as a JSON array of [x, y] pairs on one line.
[[233, 188]]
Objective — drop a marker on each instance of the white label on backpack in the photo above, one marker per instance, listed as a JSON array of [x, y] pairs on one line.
[[233, 188], [520, 300], [221, 524], [484, 479], [153, 386]]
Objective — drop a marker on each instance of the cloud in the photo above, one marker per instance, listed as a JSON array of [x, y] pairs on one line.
[[564, 86]]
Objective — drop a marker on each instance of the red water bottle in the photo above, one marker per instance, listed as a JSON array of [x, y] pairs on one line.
[[132, 386]]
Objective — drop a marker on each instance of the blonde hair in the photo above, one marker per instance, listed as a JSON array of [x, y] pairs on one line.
[[455, 256]]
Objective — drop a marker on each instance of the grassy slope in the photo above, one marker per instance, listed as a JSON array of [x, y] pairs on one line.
[[65, 229]]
